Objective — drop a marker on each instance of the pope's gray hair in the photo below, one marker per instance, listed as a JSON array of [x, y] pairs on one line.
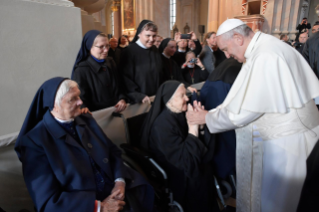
[[243, 30], [64, 88]]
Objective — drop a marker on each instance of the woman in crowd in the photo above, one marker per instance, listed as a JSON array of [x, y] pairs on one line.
[[97, 75], [158, 41], [193, 70], [176, 147], [123, 42]]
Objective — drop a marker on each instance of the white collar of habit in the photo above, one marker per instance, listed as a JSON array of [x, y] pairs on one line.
[[138, 42], [64, 121], [166, 55], [179, 50]]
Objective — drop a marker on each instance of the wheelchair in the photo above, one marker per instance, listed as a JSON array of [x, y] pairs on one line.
[[142, 161]]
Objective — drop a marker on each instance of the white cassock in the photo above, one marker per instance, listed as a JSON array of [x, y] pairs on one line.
[[277, 124]]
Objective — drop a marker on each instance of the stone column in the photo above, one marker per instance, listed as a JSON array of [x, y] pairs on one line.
[[276, 28], [286, 17], [94, 8], [294, 18], [117, 23], [213, 11]]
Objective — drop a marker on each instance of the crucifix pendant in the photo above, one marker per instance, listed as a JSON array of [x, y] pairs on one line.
[[192, 80]]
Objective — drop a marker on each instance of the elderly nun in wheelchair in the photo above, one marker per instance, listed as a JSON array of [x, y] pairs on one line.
[[176, 146]]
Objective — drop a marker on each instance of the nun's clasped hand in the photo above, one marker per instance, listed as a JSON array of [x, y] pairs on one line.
[[196, 116]]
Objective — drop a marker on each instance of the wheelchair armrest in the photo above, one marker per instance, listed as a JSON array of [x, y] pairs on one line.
[[136, 153], [133, 150]]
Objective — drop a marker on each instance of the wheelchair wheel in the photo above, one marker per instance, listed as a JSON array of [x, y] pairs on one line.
[[226, 189], [175, 207]]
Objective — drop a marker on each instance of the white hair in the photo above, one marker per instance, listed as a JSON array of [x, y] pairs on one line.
[[64, 88], [243, 30]]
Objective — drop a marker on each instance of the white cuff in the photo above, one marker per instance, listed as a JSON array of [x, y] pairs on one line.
[[120, 179], [98, 206]]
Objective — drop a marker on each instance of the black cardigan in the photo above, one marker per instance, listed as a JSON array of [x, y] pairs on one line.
[[99, 83]]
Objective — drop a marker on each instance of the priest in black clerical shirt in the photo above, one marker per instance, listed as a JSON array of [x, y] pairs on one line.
[[114, 52], [193, 70], [142, 64]]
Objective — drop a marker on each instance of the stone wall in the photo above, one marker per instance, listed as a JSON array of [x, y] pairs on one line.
[[38, 41]]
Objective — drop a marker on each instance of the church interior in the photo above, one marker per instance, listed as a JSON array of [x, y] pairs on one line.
[[40, 39]]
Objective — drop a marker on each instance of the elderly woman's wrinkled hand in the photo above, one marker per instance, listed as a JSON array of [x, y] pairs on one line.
[[192, 128], [85, 110], [196, 115]]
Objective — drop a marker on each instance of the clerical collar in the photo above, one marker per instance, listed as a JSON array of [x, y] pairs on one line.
[[122, 45], [166, 55], [138, 42], [64, 121], [179, 50]]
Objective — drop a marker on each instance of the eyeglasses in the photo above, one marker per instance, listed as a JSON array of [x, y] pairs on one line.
[[103, 47]]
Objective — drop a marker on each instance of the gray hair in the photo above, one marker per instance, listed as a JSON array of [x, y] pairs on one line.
[[64, 88], [243, 30]]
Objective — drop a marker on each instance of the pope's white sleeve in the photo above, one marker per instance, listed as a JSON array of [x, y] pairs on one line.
[[220, 120]]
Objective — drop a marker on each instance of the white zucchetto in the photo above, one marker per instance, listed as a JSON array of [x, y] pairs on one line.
[[228, 25]]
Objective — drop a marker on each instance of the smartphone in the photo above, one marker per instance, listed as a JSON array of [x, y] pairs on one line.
[[193, 60], [186, 36]]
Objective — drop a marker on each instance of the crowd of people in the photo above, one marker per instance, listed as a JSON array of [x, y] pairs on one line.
[[255, 119], [302, 36]]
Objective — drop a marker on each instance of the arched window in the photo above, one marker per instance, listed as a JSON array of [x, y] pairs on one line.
[[112, 22], [172, 13]]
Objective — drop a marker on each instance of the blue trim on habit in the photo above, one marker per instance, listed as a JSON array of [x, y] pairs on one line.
[[97, 60]]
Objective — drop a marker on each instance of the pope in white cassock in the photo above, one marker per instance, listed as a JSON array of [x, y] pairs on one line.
[[271, 107]]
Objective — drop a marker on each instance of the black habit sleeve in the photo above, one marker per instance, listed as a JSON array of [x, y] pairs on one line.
[[198, 48], [142, 71], [182, 150]]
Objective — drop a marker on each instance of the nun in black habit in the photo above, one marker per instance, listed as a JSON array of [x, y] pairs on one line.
[[97, 75], [175, 145], [213, 93], [142, 64], [123, 42], [171, 71], [69, 164]]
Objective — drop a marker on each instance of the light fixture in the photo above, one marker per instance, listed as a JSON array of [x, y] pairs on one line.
[[317, 10], [116, 4]]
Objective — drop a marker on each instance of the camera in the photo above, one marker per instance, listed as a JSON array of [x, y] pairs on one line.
[[186, 36], [193, 60]]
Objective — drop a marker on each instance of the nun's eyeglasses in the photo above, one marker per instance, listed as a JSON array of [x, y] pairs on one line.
[[103, 47]]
